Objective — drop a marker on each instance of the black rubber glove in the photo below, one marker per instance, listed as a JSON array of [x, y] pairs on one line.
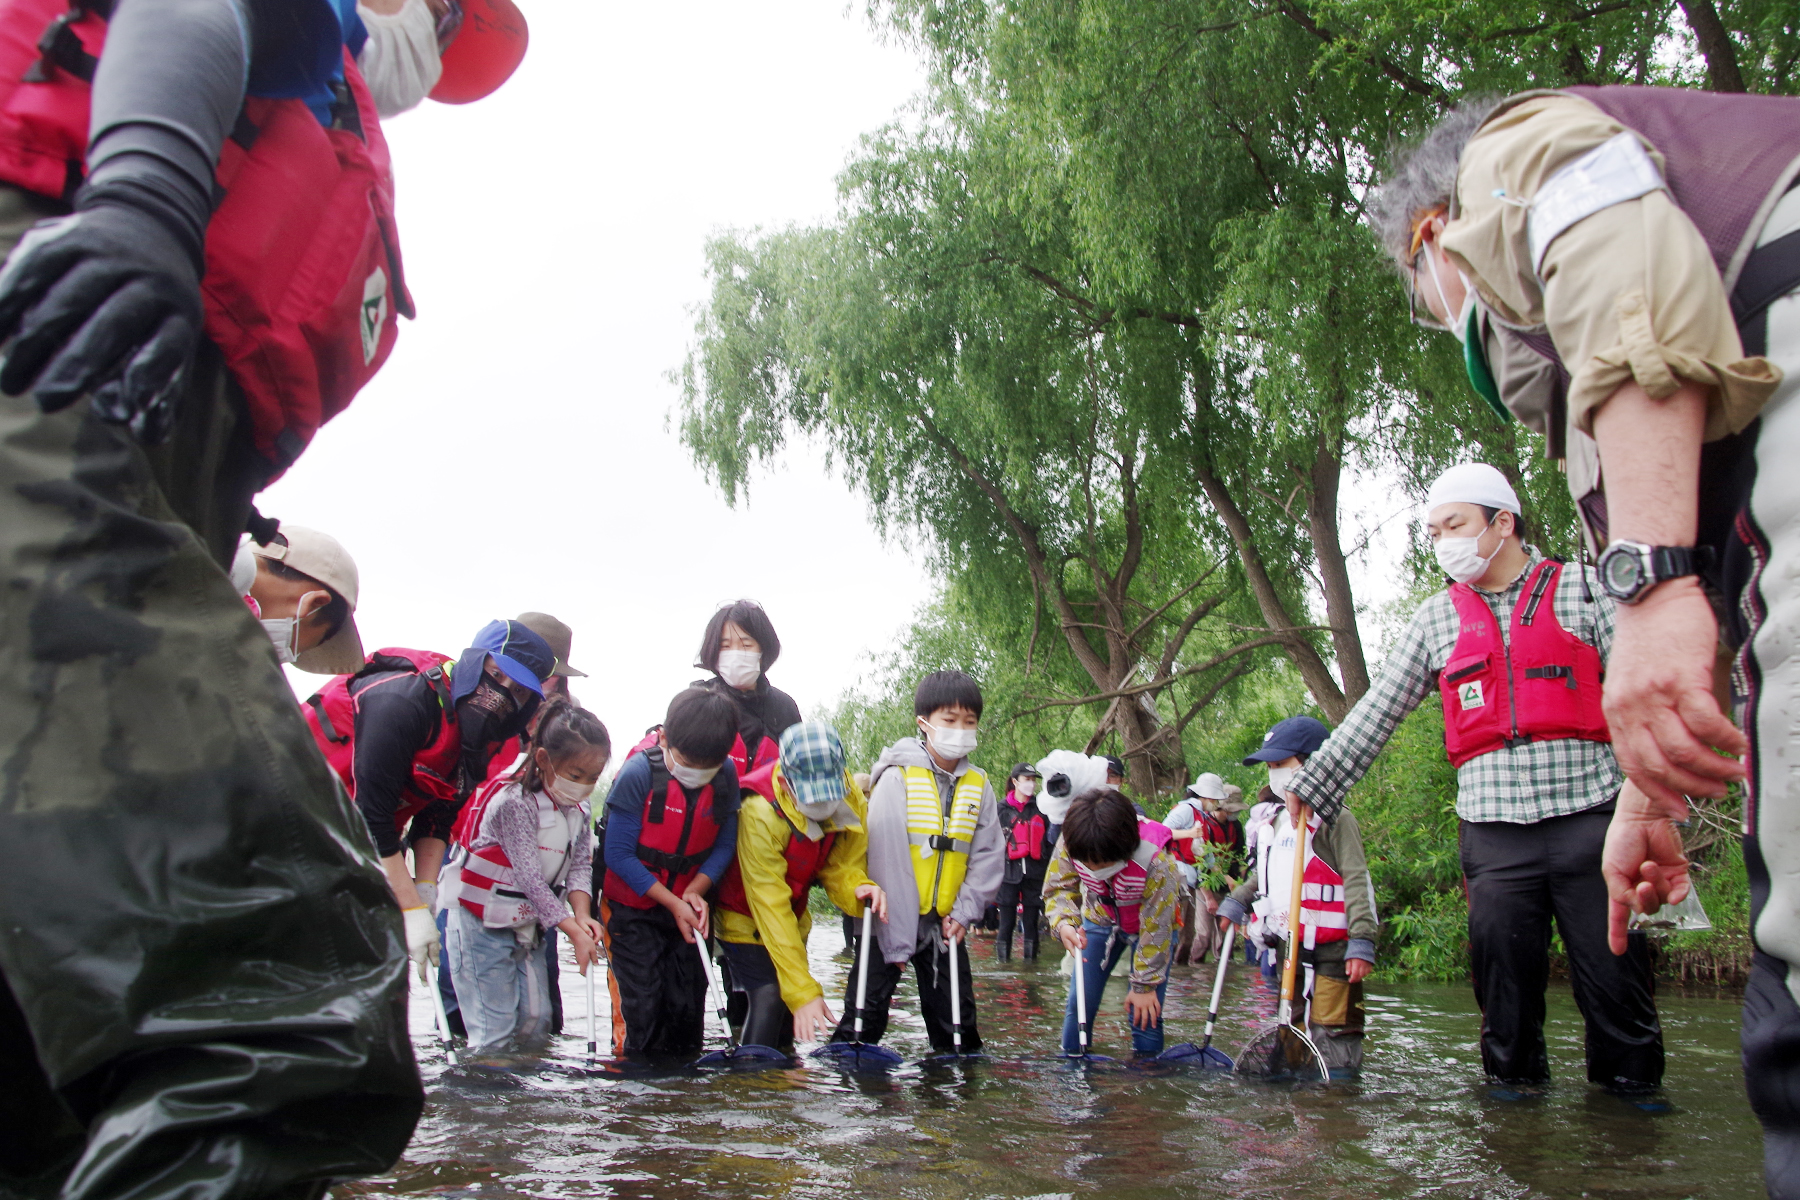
[[105, 300]]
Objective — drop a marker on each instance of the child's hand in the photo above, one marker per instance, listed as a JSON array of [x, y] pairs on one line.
[[696, 901], [953, 930], [813, 1021], [586, 952], [591, 927], [1358, 969], [1074, 938], [1144, 1009], [686, 919], [877, 900]]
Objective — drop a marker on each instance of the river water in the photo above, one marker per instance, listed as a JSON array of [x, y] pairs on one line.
[[1022, 1123]]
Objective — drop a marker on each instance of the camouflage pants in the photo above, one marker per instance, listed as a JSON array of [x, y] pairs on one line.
[[202, 966]]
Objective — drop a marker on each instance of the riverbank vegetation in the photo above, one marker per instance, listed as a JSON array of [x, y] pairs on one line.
[[1100, 330]]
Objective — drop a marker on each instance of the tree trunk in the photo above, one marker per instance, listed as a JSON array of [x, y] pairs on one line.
[[1334, 574], [1722, 74], [1313, 671]]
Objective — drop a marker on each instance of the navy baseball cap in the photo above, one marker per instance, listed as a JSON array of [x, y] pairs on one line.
[[1296, 735], [525, 657], [1116, 763]]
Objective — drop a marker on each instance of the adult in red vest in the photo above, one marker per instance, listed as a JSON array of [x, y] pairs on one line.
[[1623, 264], [230, 904], [1030, 840], [411, 736], [738, 647], [1515, 648]]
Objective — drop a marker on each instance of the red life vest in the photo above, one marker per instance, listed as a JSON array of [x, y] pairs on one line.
[[805, 857], [303, 286], [331, 714], [1026, 837], [487, 883], [1322, 913], [767, 751], [677, 831], [1542, 682], [1123, 893]]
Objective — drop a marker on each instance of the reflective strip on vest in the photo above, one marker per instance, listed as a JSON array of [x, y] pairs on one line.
[[1124, 891], [941, 847], [1322, 912]]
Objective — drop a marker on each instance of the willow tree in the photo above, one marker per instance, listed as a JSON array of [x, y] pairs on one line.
[[1030, 443]]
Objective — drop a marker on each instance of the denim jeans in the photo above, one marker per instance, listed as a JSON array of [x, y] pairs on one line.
[[501, 985], [1103, 952]]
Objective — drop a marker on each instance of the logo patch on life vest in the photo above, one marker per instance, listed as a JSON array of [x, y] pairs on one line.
[[1470, 695], [374, 313]]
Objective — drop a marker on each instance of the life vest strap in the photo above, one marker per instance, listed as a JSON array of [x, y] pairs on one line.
[[1555, 671], [317, 700], [940, 842], [1545, 577], [674, 864], [61, 47]]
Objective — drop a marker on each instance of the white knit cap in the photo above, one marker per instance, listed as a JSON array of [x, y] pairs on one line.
[[1473, 483]]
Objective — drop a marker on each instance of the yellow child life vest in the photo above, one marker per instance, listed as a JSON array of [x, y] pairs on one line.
[[940, 856]]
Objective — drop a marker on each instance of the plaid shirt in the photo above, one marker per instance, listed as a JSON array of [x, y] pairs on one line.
[[1527, 783]]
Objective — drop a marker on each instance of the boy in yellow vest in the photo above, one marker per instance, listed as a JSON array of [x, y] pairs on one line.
[[801, 822], [936, 850]]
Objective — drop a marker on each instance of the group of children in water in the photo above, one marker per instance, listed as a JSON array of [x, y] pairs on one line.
[[725, 816]]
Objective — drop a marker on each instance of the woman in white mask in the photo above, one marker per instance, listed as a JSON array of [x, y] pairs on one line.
[[738, 647], [526, 870]]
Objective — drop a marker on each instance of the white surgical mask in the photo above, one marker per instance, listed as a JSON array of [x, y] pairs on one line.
[[1106, 872], [1460, 326], [1026, 787], [285, 634], [401, 61], [739, 668], [243, 568], [689, 777], [1279, 778], [949, 743], [1460, 557], [567, 791]]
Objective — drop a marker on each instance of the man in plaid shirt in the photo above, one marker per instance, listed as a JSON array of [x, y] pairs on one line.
[[1536, 779]]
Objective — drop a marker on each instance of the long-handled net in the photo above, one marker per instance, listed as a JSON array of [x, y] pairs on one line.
[[858, 1055], [733, 1055], [1282, 1049], [956, 1021]]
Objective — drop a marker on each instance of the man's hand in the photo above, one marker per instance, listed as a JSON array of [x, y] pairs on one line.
[[1144, 1009], [877, 900], [1358, 969], [104, 301], [953, 930], [1643, 864], [1074, 938], [1666, 725], [813, 1021]]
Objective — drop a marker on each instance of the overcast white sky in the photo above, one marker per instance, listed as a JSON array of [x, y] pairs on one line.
[[513, 453]]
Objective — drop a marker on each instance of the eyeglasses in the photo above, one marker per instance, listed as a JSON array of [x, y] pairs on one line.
[[1415, 312]]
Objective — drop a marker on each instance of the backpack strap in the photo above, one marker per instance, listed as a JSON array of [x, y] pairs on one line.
[[317, 700], [659, 783]]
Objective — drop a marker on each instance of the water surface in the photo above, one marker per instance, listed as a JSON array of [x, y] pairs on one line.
[[1024, 1124]]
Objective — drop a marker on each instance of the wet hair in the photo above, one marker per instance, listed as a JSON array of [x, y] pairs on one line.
[[702, 725], [336, 610], [1488, 514], [748, 616], [564, 730], [1421, 176], [946, 689], [1101, 826]]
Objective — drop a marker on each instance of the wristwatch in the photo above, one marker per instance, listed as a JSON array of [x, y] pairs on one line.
[[1628, 570]]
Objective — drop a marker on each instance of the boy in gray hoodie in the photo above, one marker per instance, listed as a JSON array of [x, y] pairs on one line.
[[936, 849]]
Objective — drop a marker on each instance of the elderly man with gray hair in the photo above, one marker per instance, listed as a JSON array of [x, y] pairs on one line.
[[1622, 266], [1515, 649]]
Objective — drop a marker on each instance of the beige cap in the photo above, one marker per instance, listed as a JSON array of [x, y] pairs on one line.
[[322, 557], [560, 637]]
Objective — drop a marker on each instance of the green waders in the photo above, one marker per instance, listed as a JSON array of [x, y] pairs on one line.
[[203, 970]]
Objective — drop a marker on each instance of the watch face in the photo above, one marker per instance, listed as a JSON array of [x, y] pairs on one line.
[[1622, 573]]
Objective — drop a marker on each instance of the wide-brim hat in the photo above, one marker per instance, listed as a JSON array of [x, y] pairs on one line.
[[560, 637]]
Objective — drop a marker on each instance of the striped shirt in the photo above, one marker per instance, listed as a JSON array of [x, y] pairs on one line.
[[1521, 784]]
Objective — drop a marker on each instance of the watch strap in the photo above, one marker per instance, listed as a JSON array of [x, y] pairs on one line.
[[1675, 562]]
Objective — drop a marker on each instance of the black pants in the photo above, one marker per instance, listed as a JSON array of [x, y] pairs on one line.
[[1520, 877], [766, 1020], [1031, 892], [657, 984], [931, 967]]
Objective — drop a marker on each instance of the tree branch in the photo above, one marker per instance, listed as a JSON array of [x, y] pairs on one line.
[[1138, 689]]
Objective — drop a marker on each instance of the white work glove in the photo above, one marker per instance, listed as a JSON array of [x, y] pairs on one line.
[[428, 893], [421, 940]]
